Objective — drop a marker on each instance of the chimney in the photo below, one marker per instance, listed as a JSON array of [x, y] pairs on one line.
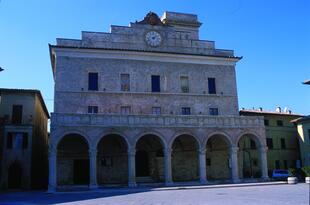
[[278, 109]]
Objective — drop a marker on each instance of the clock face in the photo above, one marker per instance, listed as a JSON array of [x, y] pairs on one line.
[[153, 38]]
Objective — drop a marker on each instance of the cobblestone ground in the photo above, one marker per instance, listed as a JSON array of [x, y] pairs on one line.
[[262, 195]]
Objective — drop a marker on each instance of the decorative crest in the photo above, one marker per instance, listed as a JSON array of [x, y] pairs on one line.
[[152, 19]]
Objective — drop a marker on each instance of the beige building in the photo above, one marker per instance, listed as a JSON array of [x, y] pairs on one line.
[[281, 137], [148, 103], [23, 139]]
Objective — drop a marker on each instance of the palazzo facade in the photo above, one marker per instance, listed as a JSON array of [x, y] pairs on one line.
[[149, 103]]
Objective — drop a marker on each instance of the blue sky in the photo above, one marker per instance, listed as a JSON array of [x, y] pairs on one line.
[[273, 36]]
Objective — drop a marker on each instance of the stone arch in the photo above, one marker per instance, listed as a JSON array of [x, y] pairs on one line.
[[112, 158], [249, 144], [56, 141], [104, 134], [149, 157], [198, 141], [184, 157], [15, 175], [217, 146], [225, 136], [73, 159], [163, 141]]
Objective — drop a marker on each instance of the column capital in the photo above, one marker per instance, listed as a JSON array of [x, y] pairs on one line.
[[202, 151], [131, 151], [263, 149], [52, 153], [233, 149], [92, 151], [168, 150]]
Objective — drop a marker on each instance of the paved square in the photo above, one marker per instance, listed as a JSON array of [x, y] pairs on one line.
[[272, 194]]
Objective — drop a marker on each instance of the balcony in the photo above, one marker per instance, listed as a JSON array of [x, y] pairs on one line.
[[116, 120]]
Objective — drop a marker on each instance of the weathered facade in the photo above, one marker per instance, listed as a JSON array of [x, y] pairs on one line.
[[24, 139], [150, 102], [281, 136]]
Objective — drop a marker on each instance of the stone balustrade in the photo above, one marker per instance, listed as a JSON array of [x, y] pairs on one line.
[[117, 120]]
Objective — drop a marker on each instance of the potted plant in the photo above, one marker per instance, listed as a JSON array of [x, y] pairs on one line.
[[306, 173], [292, 179]]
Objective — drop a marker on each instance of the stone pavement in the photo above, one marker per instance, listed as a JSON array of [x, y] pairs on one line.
[[281, 194]]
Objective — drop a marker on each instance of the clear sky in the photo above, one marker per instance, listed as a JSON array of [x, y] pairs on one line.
[[273, 36]]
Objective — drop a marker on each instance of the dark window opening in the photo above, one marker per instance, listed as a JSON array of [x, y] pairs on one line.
[[25, 140], [186, 110], [285, 164], [279, 123], [17, 114], [277, 164], [283, 145], [269, 143], [155, 83], [213, 111], [92, 109], [252, 144], [92, 81], [266, 122], [208, 162], [211, 86], [255, 162], [9, 141]]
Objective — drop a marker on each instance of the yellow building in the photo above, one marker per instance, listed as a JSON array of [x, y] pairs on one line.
[[23, 139], [281, 137]]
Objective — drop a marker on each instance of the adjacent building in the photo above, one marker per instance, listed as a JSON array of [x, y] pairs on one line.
[[148, 103], [281, 137], [23, 139]]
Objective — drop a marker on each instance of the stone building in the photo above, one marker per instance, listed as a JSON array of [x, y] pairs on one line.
[[147, 103], [281, 136], [23, 139]]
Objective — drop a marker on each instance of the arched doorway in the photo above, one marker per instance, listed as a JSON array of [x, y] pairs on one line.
[[217, 158], [72, 160], [149, 159], [15, 174], [248, 157], [112, 160], [185, 164]]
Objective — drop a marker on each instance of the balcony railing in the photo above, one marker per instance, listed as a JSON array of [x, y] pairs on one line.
[[115, 120]]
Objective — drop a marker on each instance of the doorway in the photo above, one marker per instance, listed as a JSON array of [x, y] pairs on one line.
[[142, 164], [15, 176], [81, 172]]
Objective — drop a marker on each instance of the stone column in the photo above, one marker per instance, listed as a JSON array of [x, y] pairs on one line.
[[93, 168], [52, 170], [234, 164], [263, 162], [168, 175], [202, 166], [132, 168]]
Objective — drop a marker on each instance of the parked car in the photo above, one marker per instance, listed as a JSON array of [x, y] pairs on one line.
[[280, 174]]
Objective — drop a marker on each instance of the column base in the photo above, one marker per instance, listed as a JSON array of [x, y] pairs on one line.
[[169, 183], [51, 189], [132, 184], [93, 186], [235, 181], [203, 181]]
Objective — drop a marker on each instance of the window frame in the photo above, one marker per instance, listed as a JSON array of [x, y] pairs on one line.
[[153, 82], [123, 86], [125, 107], [187, 110], [184, 89], [92, 109], [89, 81], [212, 89], [156, 108], [211, 109]]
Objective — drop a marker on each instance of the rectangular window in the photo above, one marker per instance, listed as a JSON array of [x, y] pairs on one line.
[[211, 86], [184, 84], [17, 140], [156, 110], [125, 110], [277, 164], [186, 110], [285, 164], [92, 81], [283, 145], [125, 82], [266, 122], [17, 114], [252, 144], [279, 123], [155, 83], [269, 143], [25, 140], [92, 109], [213, 111]]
